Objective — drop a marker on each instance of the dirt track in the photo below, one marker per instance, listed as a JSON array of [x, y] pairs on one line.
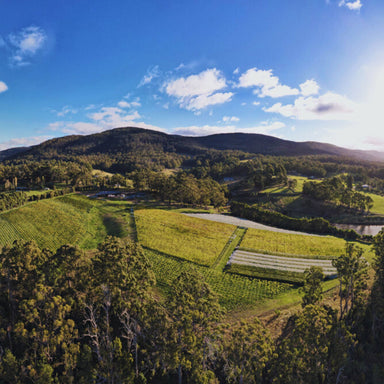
[[243, 223]]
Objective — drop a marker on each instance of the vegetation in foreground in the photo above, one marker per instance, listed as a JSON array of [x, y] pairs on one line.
[[72, 316]]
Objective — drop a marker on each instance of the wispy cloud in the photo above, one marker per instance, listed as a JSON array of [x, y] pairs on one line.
[[103, 118], [66, 110], [196, 92], [151, 74], [230, 119], [25, 44], [129, 104], [23, 142], [263, 128]]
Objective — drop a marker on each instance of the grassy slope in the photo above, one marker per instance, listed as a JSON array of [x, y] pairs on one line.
[[70, 219], [237, 292], [285, 190], [292, 244], [197, 240], [378, 203]]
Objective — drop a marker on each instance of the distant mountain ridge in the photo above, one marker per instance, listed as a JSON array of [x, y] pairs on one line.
[[131, 139], [12, 152]]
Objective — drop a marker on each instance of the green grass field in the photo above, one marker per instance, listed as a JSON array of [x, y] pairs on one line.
[[285, 190], [297, 245], [71, 219], [378, 203], [197, 240]]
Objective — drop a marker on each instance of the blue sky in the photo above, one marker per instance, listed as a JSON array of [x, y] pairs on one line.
[[299, 69]]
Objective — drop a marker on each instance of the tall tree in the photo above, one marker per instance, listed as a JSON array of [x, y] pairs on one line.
[[352, 271], [312, 289], [247, 349], [193, 308]]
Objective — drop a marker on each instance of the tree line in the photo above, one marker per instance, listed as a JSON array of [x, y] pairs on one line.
[[10, 200], [76, 317], [339, 190], [182, 187], [315, 225]]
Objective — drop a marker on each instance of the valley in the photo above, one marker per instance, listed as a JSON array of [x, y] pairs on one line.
[[169, 227]]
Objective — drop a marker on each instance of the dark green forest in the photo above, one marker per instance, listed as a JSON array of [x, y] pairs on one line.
[[77, 317]]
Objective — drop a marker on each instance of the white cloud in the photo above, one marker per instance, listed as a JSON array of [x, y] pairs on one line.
[[266, 83], [25, 44], [350, 4], [113, 117], [329, 106], [3, 86], [90, 106], [151, 74], [66, 110], [230, 119], [256, 103], [135, 104], [129, 104], [123, 104], [204, 130], [104, 119], [205, 83], [188, 66], [87, 128], [258, 78], [198, 91], [277, 91], [22, 142], [264, 128], [309, 87], [203, 101], [236, 71]]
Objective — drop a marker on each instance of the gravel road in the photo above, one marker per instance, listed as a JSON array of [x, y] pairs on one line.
[[243, 223]]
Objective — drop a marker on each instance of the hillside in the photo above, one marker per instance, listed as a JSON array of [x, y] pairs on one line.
[[134, 141]]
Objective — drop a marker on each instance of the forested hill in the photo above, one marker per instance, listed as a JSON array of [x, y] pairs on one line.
[[12, 152], [131, 141]]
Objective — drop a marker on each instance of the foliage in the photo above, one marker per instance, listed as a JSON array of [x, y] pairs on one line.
[[276, 219], [352, 271], [183, 187], [194, 310], [307, 353], [248, 348], [312, 289], [339, 190]]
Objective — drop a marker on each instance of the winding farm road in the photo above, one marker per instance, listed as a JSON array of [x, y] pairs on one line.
[[244, 223]]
